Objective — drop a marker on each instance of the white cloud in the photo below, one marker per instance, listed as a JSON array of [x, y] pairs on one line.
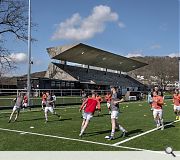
[[134, 55], [18, 57], [121, 25], [173, 55], [155, 46], [78, 28]]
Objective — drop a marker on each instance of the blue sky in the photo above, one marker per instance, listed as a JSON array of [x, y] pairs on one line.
[[125, 27]]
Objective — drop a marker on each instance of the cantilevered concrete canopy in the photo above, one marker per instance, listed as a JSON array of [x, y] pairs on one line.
[[88, 55]]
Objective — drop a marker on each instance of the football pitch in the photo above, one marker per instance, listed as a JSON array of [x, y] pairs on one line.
[[31, 133]]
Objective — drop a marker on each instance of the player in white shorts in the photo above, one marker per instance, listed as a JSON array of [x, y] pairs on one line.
[[176, 102], [157, 103], [114, 114], [49, 107], [25, 102], [17, 107], [89, 106]]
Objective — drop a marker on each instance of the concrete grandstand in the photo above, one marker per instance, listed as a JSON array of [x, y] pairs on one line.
[[94, 68], [80, 66]]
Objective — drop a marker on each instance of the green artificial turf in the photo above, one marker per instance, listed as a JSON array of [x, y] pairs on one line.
[[136, 117]]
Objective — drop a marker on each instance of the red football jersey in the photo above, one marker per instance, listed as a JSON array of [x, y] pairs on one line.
[[176, 99], [91, 104], [157, 102], [108, 98], [44, 97], [25, 99]]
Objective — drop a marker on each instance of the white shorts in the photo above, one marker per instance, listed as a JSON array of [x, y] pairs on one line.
[[176, 108], [157, 112], [25, 104], [87, 116], [16, 108], [43, 102], [114, 114], [108, 104], [49, 109]]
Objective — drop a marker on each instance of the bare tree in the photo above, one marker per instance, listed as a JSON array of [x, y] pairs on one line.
[[14, 18], [13, 23], [6, 62]]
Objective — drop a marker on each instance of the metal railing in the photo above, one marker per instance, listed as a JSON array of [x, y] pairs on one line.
[[36, 102], [57, 92], [64, 96]]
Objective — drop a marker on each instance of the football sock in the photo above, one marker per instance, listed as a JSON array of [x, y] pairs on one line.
[[162, 122], [157, 122], [121, 128], [46, 117], [82, 131], [112, 132]]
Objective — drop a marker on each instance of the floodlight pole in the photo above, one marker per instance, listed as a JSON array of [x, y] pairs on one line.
[[29, 55]]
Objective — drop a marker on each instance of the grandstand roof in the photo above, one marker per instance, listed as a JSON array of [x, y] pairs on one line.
[[88, 55]]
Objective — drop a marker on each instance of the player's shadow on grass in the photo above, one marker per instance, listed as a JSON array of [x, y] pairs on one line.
[[33, 119], [65, 119], [168, 126], [104, 114], [165, 123], [59, 120], [97, 133], [101, 115], [42, 118], [135, 131]]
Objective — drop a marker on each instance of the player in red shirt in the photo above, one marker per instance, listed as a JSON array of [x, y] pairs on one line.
[[157, 103], [25, 102], [176, 102], [100, 100], [44, 99], [108, 100], [89, 106]]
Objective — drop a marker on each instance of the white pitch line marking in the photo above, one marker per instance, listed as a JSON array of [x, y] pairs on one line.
[[23, 133], [85, 141], [79, 140], [139, 135], [66, 138]]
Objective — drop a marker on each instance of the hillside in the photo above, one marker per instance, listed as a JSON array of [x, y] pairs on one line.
[[159, 69]]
